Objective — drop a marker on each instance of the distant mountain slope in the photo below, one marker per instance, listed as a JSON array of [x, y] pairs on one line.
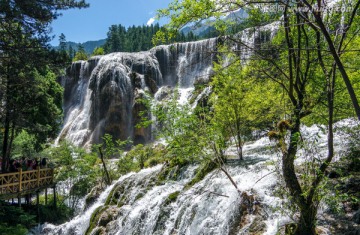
[[207, 29], [89, 46]]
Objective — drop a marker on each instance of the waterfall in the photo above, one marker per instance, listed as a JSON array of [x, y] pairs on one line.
[[101, 93], [80, 223], [138, 204]]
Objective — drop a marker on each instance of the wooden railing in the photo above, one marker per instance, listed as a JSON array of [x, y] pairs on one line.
[[23, 182]]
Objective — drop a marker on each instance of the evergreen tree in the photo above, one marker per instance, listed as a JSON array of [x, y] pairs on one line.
[[80, 54], [26, 100], [62, 42], [98, 51]]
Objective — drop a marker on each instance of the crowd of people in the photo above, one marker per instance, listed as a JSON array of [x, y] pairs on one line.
[[25, 164]]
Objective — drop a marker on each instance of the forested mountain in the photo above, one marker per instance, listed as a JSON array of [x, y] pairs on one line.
[[137, 38], [88, 46], [122, 39]]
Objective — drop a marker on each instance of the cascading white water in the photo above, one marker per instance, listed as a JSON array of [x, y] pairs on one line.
[[100, 94], [80, 223], [101, 99], [211, 206]]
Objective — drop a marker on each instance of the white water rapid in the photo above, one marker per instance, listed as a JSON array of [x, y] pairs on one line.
[[138, 204]]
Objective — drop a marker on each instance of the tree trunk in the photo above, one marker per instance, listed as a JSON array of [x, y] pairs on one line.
[[339, 64], [5, 152], [108, 180], [288, 167], [307, 222], [240, 152]]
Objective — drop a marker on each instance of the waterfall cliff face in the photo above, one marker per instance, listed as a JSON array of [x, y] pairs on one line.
[[103, 95]]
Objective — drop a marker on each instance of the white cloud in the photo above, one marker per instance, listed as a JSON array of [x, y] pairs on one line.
[[150, 21]]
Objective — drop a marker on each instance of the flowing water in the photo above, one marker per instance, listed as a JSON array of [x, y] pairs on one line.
[[211, 206], [100, 97], [101, 93]]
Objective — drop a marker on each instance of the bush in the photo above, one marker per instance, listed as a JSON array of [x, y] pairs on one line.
[[353, 152], [14, 220], [58, 215]]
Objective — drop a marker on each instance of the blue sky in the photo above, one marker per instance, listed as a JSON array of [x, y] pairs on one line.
[[93, 23]]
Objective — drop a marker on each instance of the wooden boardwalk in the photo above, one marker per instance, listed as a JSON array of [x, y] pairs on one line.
[[17, 184]]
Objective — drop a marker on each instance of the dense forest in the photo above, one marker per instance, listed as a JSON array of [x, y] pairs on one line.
[[288, 66], [121, 39], [138, 38]]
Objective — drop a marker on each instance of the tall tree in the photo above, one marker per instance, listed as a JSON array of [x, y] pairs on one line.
[[184, 12], [24, 37], [298, 58]]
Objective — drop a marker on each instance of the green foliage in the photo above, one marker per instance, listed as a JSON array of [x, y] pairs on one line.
[[205, 168], [111, 148], [172, 197], [24, 145], [14, 220], [35, 105], [45, 107], [353, 151], [182, 130], [58, 215], [13, 230], [26, 65], [79, 169], [133, 39], [141, 156], [80, 54], [156, 155], [98, 51]]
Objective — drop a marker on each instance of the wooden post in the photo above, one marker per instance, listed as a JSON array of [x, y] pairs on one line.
[[37, 205], [37, 198], [38, 176], [20, 180], [45, 196], [54, 190], [20, 186]]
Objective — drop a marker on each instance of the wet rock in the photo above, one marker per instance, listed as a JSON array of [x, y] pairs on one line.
[[250, 206], [163, 93], [135, 80], [108, 215], [257, 226], [92, 196], [151, 84]]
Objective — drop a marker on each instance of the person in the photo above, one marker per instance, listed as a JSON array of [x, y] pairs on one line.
[[17, 165], [23, 164], [12, 166], [36, 164], [43, 163], [29, 165]]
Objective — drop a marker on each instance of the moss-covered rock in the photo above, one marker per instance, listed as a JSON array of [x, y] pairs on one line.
[[172, 197], [108, 215], [94, 219], [93, 195], [100, 218], [203, 170]]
